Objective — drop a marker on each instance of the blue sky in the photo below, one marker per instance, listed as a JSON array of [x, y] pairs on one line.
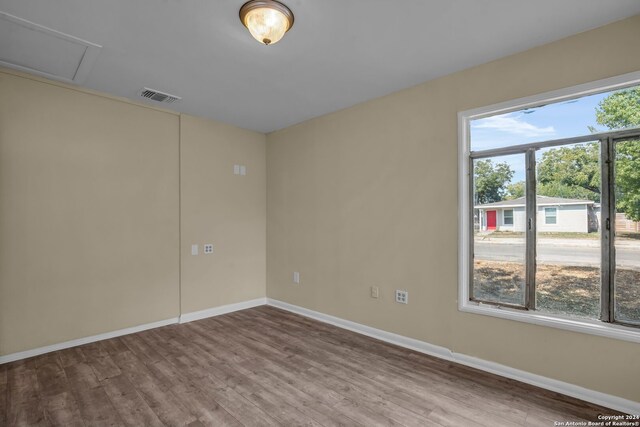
[[553, 121]]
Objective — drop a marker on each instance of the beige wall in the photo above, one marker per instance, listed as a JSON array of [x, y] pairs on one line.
[[368, 197], [224, 209], [88, 214], [90, 192]]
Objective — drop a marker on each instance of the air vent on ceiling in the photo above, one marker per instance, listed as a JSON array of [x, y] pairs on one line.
[[156, 95]]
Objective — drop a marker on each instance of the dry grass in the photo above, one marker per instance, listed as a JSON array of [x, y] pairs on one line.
[[568, 290]]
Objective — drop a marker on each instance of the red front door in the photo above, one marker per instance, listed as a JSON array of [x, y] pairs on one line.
[[491, 220]]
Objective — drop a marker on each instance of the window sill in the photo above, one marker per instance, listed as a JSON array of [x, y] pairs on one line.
[[592, 327]]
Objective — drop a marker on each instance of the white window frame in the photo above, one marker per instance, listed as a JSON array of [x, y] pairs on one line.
[[593, 327], [546, 216], [504, 216]]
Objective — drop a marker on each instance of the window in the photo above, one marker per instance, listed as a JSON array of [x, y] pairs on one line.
[[506, 286], [550, 215], [568, 252], [577, 272], [508, 217]]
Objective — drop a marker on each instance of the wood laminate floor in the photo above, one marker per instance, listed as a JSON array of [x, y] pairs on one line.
[[264, 367]]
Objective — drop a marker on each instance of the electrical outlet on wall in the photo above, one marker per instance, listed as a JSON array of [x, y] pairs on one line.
[[296, 277], [208, 248], [375, 292], [402, 296]]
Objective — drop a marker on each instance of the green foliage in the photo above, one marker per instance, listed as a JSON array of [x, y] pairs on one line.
[[571, 172], [628, 179], [554, 189], [516, 190], [490, 181], [621, 110]]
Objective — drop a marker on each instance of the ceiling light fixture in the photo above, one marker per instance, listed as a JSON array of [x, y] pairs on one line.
[[266, 20]]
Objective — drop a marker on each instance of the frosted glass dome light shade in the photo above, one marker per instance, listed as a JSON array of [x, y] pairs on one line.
[[266, 20]]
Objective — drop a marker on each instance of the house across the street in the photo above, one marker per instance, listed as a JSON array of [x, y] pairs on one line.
[[555, 214]]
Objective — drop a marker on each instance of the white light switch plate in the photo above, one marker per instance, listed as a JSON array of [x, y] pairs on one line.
[[375, 292], [296, 277], [194, 249]]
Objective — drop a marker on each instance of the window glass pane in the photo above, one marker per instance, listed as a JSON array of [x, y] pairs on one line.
[[557, 120], [508, 217], [568, 239], [627, 232], [550, 216], [499, 247]]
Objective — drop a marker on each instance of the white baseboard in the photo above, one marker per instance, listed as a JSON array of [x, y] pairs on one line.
[[188, 317], [607, 400], [223, 309], [86, 340], [596, 397], [603, 399], [402, 341]]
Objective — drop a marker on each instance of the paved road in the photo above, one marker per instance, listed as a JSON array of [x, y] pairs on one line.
[[553, 253]]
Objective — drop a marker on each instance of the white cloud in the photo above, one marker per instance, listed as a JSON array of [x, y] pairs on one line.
[[515, 125]]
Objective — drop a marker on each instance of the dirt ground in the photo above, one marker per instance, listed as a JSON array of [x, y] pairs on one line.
[[573, 291]]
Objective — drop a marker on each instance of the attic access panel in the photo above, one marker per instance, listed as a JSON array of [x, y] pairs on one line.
[[36, 49]]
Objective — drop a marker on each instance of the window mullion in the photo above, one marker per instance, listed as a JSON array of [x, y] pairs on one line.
[[607, 226], [472, 225], [531, 209]]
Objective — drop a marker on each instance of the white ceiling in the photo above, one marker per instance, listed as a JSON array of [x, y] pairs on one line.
[[338, 53]]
